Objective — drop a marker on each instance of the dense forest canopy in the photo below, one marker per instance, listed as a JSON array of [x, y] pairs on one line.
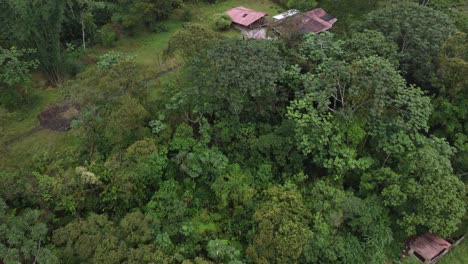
[[176, 140]]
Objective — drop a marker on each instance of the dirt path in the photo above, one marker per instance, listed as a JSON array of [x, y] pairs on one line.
[[23, 136]]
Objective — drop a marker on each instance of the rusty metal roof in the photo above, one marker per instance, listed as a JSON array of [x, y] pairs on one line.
[[429, 246], [312, 21], [244, 16]]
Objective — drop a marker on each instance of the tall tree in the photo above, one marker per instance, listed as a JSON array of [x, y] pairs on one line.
[[419, 32], [243, 82], [36, 24], [281, 228]]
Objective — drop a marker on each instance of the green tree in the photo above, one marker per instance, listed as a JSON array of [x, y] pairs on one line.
[[36, 24], [419, 32], [243, 83], [220, 251], [23, 237], [346, 229], [222, 22], [15, 74], [282, 230], [418, 193], [370, 43], [145, 12], [97, 239], [191, 39]]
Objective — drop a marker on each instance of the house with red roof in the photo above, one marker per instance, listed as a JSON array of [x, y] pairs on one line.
[[245, 17]]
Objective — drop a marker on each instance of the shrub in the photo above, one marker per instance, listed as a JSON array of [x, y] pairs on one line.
[[159, 28], [73, 60], [185, 13], [302, 5], [222, 22], [111, 58], [107, 36]]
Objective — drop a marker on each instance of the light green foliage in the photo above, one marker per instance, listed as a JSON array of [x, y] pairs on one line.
[[418, 193], [222, 22], [220, 251], [235, 187], [321, 135], [418, 31], [243, 83], [15, 74], [23, 237], [15, 68], [195, 158], [317, 48], [67, 190], [167, 206], [282, 230], [347, 102], [109, 59]]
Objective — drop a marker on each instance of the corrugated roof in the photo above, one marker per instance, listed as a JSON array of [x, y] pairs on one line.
[[429, 245], [286, 14], [312, 21], [244, 16]]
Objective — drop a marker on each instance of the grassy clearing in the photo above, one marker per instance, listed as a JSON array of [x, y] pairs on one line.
[[458, 255], [25, 119], [22, 153]]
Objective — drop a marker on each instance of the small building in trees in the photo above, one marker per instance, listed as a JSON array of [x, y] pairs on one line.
[[428, 248], [244, 17], [312, 21]]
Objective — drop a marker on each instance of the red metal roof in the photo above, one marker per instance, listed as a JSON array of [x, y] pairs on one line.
[[244, 16], [317, 20], [429, 245]]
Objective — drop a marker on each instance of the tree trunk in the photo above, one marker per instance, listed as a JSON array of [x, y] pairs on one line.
[[83, 34]]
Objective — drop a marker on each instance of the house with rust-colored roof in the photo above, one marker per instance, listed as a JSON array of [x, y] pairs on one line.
[[312, 21], [245, 17], [428, 248]]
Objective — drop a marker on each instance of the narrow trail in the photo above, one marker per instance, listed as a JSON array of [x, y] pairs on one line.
[[23, 136]]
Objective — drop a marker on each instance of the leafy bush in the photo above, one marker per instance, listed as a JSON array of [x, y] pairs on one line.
[[159, 28], [73, 61], [185, 13], [111, 58], [222, 22], [302, 5], [107, 36]]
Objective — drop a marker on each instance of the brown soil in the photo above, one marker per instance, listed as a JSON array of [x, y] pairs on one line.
[[59, 118]]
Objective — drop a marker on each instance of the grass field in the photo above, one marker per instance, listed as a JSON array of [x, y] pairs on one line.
[[458, 255]]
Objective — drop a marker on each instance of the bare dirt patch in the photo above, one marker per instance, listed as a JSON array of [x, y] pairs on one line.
[[59, 117]]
